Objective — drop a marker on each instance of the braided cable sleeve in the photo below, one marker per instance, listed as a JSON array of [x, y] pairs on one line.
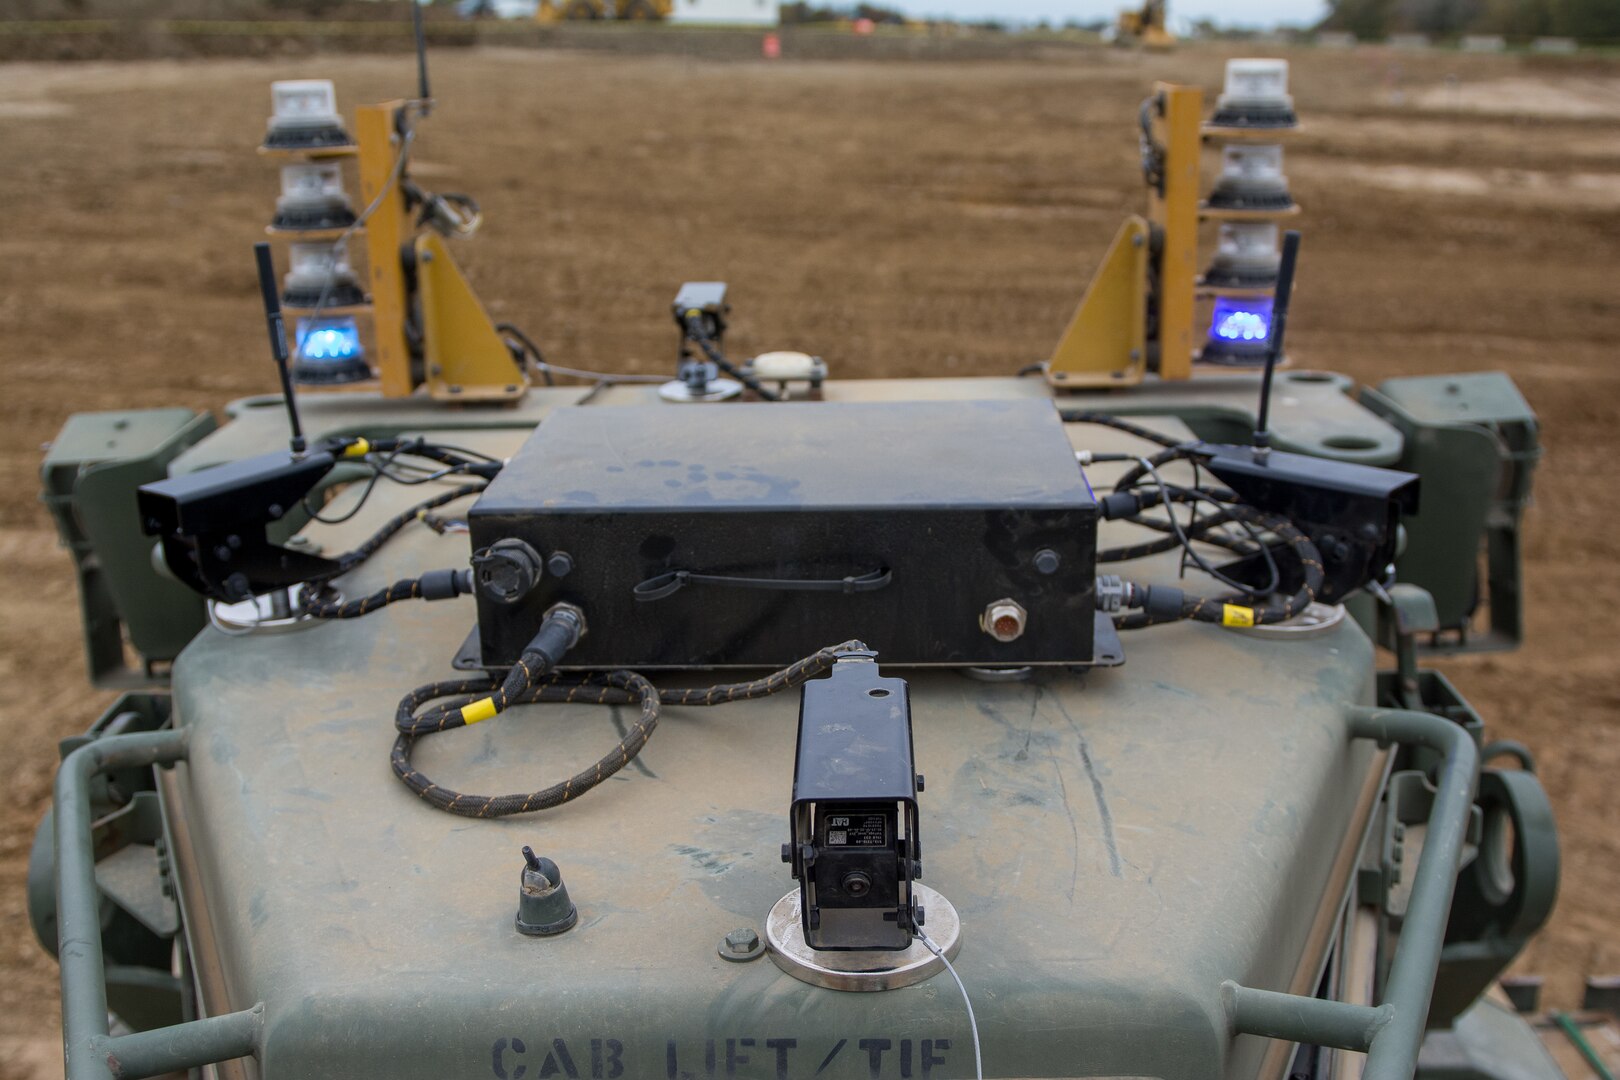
[[320, 600], [545, 686], [318, 606], [628, 683], [1213, 609], [1069, 416], [1200, 529], [349, 560], [696, 332]]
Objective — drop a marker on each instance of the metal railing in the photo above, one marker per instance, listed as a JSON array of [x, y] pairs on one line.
[[90, 1052], [1391, 1033]]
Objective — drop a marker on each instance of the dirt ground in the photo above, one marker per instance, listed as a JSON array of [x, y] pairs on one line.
[[1463, 213]]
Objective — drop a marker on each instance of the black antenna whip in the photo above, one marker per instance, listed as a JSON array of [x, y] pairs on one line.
[[278, 338], [1274, 346], [422, 93]]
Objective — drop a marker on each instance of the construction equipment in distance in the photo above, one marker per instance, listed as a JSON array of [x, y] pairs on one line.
[[584, 10], [1144, 27]]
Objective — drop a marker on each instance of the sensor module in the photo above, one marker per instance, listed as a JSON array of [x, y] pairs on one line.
[[854, 850]]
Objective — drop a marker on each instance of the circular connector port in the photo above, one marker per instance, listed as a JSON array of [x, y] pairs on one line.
[[508, 570], [1004, 619]]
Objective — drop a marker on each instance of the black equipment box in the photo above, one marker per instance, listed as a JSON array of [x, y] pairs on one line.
[[750, 535]]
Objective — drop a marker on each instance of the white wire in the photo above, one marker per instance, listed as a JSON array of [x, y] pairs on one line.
[[581, 373], [978, 1059]]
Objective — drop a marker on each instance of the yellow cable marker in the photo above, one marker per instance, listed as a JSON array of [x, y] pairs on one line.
[[1233, 615], [482, 709], [358, 448]]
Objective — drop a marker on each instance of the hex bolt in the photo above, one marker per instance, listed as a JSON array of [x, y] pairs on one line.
[[560, 564], [1004, 619], [741, 945]]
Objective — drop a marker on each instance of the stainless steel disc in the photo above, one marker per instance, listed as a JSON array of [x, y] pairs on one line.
[[719, 390], [863, 970], [1315, 619]]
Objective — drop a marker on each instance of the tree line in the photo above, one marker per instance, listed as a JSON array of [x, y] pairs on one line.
[[1586, 20]]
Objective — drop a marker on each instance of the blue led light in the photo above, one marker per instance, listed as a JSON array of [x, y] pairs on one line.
[[337, 340], [329, 352], [1241, 322]]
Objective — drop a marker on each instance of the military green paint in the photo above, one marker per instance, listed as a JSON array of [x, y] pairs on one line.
[[1118, 847]]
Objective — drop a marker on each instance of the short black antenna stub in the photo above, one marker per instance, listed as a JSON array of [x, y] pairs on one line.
[[1274, 346], [278, 338]]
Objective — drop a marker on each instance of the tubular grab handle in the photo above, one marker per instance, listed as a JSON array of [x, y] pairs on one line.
[[89, 1051], [1392, 1033]]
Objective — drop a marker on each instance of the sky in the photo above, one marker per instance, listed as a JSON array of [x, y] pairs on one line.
[[1262, 13]]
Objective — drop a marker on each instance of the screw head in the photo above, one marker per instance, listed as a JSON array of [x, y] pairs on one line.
[[1047, 561], [741, 944]]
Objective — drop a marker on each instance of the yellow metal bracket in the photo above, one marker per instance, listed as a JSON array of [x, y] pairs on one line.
[[1106, 342], [385, 232], [1175, 213], [465, 357]]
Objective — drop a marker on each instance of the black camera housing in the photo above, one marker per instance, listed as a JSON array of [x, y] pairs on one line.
[[855, 850]]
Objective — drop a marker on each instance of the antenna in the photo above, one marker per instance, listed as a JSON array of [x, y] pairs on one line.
[[1279, 323], [278, 339], [422, 93]]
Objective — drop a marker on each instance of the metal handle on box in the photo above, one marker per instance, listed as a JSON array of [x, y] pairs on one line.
[[90, 1052], [1391, 1033]]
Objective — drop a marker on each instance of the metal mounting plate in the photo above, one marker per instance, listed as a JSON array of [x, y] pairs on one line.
[[862, 970]]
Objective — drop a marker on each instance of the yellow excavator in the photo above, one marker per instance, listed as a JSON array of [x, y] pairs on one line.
[[1144, 27], [635, 10]]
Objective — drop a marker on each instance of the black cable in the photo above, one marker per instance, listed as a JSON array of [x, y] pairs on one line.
[[371, 484], [1169, 605], [469, 461], [466, 452], [538, 684], [1077, 416], [1152, 153], [351, 559], [526, 344], [698, 333], [424, 476], [1201, 531], [433, 585], [1168, 497]]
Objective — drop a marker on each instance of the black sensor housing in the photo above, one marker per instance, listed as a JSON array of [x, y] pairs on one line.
[[1351, 512], [213, 524], [855, 851]]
